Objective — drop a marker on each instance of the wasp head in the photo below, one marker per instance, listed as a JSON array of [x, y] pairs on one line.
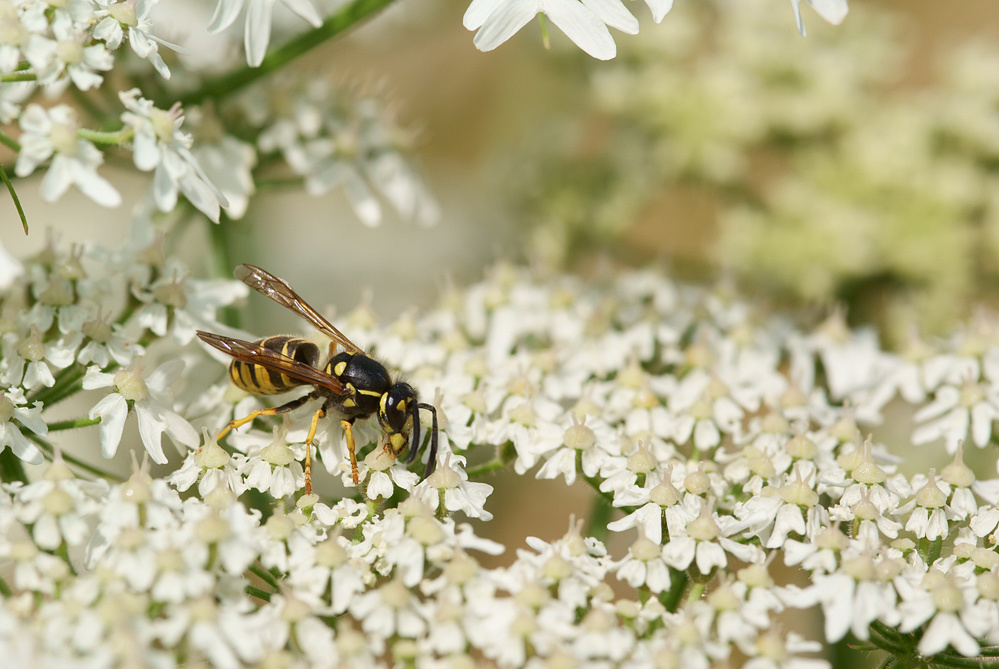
[[399, 414]]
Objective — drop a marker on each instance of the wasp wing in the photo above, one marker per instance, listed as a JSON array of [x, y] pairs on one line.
[[254, 354], [278, 290]]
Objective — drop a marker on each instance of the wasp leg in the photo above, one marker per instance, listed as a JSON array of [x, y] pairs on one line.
[[308, 449], [273, 411], [348, 430]]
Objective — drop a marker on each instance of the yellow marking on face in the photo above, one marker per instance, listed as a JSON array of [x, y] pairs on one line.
[[402, 406], [398, 441], [338, 369], [383, 404]]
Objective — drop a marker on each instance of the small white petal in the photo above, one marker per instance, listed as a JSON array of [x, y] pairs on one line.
[[583, 27], [112, 410]]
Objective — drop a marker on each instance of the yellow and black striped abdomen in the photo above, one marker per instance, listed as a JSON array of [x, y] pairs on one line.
[[260, 381]]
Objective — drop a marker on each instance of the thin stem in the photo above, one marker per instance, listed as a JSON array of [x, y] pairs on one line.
[[18, 76], [606, 496], [600, 515], [335, 24], [5, 589], [73, 424], [887, 632], [265, 576], [220, 256], [10, 142], [955, 661], [505, 455], [109, 138], [258, 593], [72, 384], [678, 583], [493, 465], [13, 196]]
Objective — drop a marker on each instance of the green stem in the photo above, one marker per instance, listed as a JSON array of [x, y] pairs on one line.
[[678, 583], [18, 76], [110, 138], [279, 184], [9, 142], [335, 24], [493, 465], [952, 661], [505, 455], [11, 467], [888, 644], [73, 424], [5, 589], [220, 257], [258, 593], [70, 384], [265, 576], [606, 496], [600, 514], [889, 633], [13, 195]]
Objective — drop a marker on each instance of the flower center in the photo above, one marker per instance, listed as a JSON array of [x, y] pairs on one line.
[[63, 136], [124, 13], [162, 122], [130, 384], [70, 52]]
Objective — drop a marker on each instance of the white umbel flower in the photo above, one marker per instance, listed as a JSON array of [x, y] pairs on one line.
[[52, 133], [147, 395], [160, 145]]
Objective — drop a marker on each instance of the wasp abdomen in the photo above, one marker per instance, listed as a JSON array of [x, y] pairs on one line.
[[261, 381]]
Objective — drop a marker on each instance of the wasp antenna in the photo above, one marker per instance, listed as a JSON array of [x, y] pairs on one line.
[[432, 460], [415, 447]]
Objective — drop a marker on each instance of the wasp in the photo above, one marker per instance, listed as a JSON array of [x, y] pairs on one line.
[[351, 384]]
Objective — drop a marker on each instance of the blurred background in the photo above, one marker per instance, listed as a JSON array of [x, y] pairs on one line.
[[857, 166]]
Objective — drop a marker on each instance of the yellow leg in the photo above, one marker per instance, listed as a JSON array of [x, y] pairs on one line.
[[347, 429], [243, 421], [308, 449]]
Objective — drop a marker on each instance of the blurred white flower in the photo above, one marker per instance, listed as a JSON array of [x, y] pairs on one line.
[[66, 56], [52, 133], [833, 11], [160, 145], [585, 23], [132, 15], [258, 22]]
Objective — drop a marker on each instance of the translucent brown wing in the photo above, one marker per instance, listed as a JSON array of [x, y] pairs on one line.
[[253, 354], [278, 290]]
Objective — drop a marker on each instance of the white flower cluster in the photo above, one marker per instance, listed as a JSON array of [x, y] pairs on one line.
[[59, 44], [339, 137], [728, 440], [59, 334]]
